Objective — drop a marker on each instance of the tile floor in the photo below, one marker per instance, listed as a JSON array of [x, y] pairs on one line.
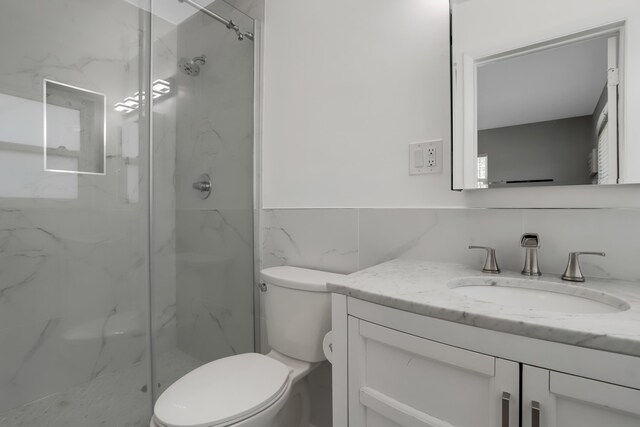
[[117, 399]]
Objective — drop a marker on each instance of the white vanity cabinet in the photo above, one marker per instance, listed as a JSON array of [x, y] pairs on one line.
[[394, 368], [397, 379]]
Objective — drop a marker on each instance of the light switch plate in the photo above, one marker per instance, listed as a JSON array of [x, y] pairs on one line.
[[425, 157]]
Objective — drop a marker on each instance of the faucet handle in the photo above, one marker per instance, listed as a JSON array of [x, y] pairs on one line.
[[573, 273], [491, 263]]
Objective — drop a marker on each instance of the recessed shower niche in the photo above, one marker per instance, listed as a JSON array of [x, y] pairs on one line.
[[74, 129]]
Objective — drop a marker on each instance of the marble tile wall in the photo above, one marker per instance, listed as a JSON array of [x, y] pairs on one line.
[[64, 272], [215, 236], [215, 282], [347, 240]]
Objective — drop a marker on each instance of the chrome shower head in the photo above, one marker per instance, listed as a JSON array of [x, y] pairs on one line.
[[191, 67]]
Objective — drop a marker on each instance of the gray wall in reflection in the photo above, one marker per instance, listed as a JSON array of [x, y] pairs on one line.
[[557, 149]]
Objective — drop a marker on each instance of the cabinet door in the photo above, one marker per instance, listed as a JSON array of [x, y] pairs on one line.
[[397, 379], [552, 399]]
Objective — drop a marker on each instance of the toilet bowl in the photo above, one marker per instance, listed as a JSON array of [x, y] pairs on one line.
[[255, 390]]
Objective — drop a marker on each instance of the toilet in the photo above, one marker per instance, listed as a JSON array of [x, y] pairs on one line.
[[254, 390]]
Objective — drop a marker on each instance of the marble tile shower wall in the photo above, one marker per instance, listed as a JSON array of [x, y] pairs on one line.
[[215, 236], [70, 268], [347, 240], [62, 270]]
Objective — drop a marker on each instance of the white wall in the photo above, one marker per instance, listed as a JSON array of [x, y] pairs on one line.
[[347, 85]]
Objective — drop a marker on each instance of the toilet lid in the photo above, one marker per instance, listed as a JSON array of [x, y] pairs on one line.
[[222, 391]]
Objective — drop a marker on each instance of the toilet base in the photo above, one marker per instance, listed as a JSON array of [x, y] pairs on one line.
[[297, 411]]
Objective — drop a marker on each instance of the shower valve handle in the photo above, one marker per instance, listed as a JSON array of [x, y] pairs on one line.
[[203, 185]]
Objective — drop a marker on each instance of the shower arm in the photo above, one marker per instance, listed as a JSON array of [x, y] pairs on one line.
[[227, 22]]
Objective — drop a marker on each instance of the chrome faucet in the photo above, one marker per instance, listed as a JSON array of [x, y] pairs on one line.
[[531, 243], [573, 273]]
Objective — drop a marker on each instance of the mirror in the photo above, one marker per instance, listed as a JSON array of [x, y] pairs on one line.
[[543, 116], [541, 91]]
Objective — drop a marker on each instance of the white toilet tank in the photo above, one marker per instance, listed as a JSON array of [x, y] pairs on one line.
[[297, 311]]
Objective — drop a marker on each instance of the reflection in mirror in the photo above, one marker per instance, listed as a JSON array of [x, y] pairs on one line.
[[545, 93], [543, 117]]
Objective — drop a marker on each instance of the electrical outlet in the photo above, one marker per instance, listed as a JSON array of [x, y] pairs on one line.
[[425, 157]]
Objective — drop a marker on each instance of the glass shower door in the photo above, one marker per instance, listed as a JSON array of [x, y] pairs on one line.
[[73, 214], [203, 241], [117, 277]]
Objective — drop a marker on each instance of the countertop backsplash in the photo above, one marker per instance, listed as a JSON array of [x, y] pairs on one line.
[[348, 240]]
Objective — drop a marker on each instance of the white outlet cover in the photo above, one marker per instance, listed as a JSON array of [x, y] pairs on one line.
[[426, 150]]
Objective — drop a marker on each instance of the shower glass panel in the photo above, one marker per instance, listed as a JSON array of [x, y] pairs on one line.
[[73, 246], [117, 276], [202, 266]]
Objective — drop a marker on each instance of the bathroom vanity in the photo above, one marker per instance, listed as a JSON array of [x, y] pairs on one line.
[[429, 344]]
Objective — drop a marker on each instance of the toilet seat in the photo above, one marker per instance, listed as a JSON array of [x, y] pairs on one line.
[[223, 392]]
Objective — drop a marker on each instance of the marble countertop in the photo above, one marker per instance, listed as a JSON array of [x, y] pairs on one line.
[[422, 287]]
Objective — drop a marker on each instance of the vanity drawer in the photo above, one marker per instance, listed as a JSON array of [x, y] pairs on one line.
[[554, 399], [399, 379]]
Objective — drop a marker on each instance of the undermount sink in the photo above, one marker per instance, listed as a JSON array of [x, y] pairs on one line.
[[537, 295]]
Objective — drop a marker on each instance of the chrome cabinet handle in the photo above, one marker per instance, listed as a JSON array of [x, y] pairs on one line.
[[535, 414], [506, 397], [491, 263]]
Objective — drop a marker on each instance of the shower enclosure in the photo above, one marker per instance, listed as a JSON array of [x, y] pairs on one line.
[[126, 203]]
